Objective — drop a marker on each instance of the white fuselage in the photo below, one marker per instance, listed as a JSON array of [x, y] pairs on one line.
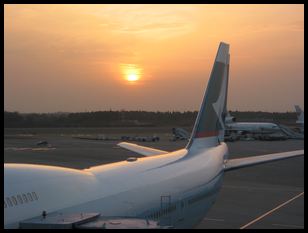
[[132, 189], [254, 127]]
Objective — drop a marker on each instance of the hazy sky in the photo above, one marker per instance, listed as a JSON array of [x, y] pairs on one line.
[[78, 57]]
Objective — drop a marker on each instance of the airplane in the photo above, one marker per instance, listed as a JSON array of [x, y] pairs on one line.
[[254, 130], [259, 130], [250, 127], [175, 189], [253, 127], [300, 118]]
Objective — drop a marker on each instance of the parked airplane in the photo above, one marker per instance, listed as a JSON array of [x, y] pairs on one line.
[[176, 189], [259, 130], [252, 128]]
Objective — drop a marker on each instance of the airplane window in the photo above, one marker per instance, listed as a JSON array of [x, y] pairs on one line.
[[19, 199], [5, 205], [8, 200], [14, 200], [30, 197], [34, 195], [25, 198]]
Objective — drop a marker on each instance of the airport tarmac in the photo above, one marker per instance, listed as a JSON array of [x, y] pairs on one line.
[[265, 196]]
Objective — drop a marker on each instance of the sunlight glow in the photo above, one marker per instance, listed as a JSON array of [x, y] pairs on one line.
[[132, 77], [131, 72]]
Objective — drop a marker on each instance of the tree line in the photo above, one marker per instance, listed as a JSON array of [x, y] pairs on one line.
[[126, 118]]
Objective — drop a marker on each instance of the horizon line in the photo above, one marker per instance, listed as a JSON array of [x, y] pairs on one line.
[[123, 110]]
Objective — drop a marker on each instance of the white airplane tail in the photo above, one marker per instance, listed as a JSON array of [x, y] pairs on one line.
[[298, 109], [300, 114], [209, 127]]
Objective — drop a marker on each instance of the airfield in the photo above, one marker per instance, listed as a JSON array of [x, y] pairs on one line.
[[265, 196]]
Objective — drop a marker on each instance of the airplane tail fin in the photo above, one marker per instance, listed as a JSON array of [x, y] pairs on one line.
[[209, 127], [300, 114], [298, 109]]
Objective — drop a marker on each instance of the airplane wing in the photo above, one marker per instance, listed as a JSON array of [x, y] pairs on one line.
[[143, 150], [233, 164]]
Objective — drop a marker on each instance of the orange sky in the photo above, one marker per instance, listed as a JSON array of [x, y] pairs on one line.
[[78, 57]]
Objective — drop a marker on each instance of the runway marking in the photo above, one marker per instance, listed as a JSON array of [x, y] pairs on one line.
[[43, 149], [214, 219], [271, 211], [261, 188], [291, 226], [30, 148]]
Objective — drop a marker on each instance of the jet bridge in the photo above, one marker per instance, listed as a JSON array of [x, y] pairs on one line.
[[290, 133], [87, 221]]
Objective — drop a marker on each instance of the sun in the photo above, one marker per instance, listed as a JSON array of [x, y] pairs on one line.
[[131, 72], [132, 77]]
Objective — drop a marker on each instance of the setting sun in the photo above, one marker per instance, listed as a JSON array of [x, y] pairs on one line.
[[132, 77], [131, 72]]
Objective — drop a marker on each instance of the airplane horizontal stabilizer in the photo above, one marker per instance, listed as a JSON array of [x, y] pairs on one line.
[[143, 150], [233, 164]]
